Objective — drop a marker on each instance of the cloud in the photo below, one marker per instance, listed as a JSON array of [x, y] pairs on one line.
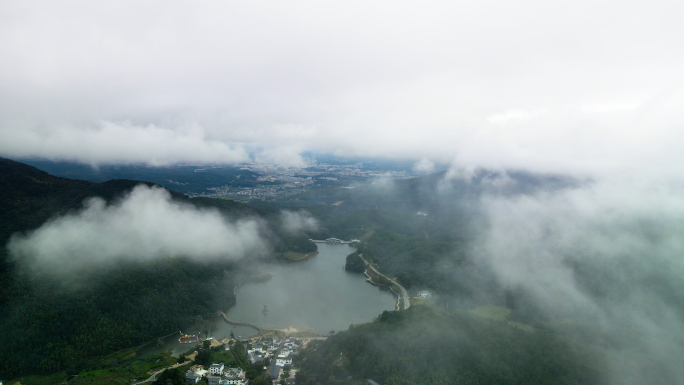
[[123, 142], [145, 225], [607, 253], [424, 166], [295, 221], [287, 156], [569, 88], [513, 115]]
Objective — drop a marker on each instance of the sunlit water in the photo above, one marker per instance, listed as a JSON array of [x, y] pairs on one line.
[[317, 294]]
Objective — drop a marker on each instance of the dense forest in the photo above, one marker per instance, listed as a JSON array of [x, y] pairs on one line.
[[52, 325], [55, 323], [424, 345], [421, 231], [409, 237], [417, 262]]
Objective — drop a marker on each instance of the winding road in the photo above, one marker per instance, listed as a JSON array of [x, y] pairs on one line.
[[404, 294], [153, 377]]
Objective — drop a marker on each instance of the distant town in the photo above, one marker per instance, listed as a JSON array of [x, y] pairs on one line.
[[279, 181]]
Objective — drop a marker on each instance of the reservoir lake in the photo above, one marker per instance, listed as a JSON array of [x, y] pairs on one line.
[[316, 294]]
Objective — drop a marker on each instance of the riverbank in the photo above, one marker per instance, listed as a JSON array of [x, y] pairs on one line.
[[369, 279], [381, 279], [291, 256], [264, 331]]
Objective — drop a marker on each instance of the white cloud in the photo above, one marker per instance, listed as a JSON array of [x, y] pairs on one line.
[[424, 166], [144, 225], [287, 156], [573, 87], [514, 115], [294, 221], [123, 143]]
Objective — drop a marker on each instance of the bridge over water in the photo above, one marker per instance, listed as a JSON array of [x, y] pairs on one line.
[[332, 241], [244, 323]]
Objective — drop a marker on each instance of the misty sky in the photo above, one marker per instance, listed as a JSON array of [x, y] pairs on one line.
[[581, 87]]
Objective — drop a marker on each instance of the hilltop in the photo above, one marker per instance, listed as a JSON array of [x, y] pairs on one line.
[[66, 321]]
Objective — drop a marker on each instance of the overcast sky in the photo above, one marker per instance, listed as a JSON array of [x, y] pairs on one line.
[[583, 87]]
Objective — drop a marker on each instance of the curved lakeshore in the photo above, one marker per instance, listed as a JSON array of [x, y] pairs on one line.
[[314, 294], [402, 295], [291, 256]]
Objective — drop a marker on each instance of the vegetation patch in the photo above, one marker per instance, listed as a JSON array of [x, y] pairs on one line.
[[422, 301], [521, 326], [422, 345], [496, 313], [295, 257], [56, 378]]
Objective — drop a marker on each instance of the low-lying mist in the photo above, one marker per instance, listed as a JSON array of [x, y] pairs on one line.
[[296, 221], [144, 225], [602, 262]]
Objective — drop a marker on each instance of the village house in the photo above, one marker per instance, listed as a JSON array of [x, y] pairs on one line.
[[235, 376], [284, 361], [192, 377], [275, 372], [216, 369]]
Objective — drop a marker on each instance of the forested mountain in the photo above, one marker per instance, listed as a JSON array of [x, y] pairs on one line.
[[519, 296], [425, 346], [195, 179], [52, 323], [563, 283]]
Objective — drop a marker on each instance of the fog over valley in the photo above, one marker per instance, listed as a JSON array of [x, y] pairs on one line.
[[353, 193]]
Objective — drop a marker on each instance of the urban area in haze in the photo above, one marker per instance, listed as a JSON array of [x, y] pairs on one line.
[[353, 193]]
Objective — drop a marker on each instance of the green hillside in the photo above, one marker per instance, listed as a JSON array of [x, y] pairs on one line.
[[53, 324], [424, 346]]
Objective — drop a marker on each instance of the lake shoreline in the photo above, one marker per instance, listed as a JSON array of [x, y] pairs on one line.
[[317, 295], [369, 279], [290, 256], [315, 277]]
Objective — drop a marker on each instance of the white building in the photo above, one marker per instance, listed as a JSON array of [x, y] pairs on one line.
[[216, 369], [235, 376], [230, 380], [284, 361]]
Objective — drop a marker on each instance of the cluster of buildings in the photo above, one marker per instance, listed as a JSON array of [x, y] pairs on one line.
[[311, 170], [280, 353], [218, 374], [277, 352], [258, 193]]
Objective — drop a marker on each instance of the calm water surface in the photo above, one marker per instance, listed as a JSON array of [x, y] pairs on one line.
[[314, 294], [317, 294]]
